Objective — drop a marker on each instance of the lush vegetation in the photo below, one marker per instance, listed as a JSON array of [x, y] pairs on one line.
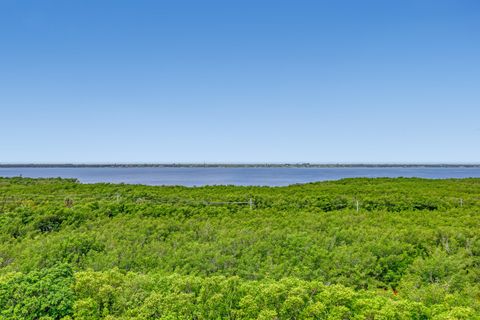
[[75, 251]]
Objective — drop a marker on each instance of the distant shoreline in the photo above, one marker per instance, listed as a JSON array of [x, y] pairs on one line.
[[236, 165]]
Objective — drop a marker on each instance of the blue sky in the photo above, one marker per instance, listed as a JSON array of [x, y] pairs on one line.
[[240, 81]]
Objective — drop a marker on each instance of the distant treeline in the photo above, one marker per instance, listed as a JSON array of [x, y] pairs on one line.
[[233, 165]]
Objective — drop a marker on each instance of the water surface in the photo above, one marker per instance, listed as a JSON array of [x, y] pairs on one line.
[[232, 176]]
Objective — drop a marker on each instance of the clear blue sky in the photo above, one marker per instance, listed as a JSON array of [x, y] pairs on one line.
[[240, 81]]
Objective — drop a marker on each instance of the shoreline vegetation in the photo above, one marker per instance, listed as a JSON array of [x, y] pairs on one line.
[[358, 248], [239, 165]]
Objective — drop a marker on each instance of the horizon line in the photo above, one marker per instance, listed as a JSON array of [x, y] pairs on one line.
[[238, 164]]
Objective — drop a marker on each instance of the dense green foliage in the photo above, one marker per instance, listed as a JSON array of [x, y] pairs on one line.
[[104, 251]]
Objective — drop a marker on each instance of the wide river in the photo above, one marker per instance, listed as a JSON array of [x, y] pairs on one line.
[[232, 176]]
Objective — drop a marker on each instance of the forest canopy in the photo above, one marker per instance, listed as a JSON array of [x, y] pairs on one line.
[[382, 248]]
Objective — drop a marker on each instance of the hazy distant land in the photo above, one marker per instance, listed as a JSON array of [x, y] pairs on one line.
[[238, 165]]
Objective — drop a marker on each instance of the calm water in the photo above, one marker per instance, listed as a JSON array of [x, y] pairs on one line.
[[234, 176]]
